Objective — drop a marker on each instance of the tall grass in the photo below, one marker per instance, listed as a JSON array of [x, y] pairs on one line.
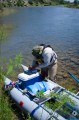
[[8, 69], [5, 110]]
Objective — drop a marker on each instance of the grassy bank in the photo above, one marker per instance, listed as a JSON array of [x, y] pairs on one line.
[[8, 110]]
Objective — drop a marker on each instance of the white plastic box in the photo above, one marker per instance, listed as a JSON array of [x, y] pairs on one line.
[[25, 79]]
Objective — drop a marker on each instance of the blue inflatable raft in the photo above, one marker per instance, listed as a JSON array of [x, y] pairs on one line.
[[25, 93]]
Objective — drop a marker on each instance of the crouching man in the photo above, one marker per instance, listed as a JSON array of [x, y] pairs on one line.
[[46, 59]]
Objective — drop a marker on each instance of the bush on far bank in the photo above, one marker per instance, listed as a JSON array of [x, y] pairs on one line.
[[22, 3]]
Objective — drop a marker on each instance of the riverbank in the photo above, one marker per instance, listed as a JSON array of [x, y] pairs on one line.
[[65, 4], [72, 6], [4, 6]]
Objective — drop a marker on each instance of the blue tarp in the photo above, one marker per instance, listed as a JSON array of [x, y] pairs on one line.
[[38, 86]]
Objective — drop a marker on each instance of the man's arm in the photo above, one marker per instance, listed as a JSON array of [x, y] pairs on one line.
[[47, 58]]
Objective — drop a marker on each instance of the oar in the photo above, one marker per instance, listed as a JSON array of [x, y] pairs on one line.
[[73, 76]]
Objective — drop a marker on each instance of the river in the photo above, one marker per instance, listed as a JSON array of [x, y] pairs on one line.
[[54, 25]]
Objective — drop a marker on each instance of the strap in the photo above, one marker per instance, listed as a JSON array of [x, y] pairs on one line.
[[45, 46], [53, 56]]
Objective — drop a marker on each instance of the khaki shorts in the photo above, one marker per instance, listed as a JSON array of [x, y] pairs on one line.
[[50, 71]]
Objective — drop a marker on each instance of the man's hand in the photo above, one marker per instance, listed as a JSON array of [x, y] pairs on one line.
[[30, 67], [33, 67]]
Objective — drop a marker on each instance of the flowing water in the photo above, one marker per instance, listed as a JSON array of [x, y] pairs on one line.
[[54, 25]]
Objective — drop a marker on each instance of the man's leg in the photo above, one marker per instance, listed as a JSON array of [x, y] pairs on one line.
[[52, 72], [44, 72]]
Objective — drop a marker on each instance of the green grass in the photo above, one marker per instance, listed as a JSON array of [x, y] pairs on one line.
[[8, 109], [5, 108], [58, 100]]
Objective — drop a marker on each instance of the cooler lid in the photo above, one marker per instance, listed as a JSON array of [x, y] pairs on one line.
[[25, 77]]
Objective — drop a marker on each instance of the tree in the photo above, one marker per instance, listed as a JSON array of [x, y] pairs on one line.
[[1, 7], [76, 2], [20, 3], [61, 1], [9, 3]]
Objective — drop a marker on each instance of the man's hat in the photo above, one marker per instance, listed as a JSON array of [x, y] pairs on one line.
[[37, 50]]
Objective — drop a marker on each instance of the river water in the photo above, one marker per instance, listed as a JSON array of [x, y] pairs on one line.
[[54, 25]]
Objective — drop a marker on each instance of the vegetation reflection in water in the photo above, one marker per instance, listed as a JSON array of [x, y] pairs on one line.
[[7, 11], [5, 31]]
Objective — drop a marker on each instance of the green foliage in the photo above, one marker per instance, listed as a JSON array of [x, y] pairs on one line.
[[61, 1], [28, 117], [5, 109], [9, 3], [1, 74], [75, 2], [6, 112], [18, 60], [10, 67], [40, 94], [1, 7], [58, 100], [20, 3]]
